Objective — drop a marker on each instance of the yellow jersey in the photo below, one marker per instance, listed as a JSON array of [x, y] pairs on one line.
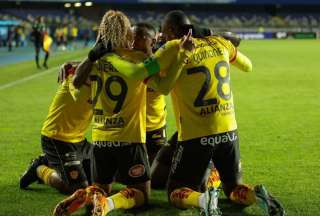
[[202, 97], [74, 32], [156, 110], [68, 119], [119, 102]]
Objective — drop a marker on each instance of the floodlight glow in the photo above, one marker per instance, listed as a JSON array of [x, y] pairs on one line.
[[88, 4], [78, 4], [67, 5]]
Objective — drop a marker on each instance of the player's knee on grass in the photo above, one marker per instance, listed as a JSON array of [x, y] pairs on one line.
[[72, 178], [185, 171], [64, 187], [229, 184], [66, 158], [226, 159]]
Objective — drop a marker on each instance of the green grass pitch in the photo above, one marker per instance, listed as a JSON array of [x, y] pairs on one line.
[[277, 110]]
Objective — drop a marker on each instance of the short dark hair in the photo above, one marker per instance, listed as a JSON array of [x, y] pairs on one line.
[[178, 21], [142, 26]]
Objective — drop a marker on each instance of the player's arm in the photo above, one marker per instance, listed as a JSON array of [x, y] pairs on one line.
[[84, 92], [82, 73], [66, 72], [84, 68], [242, 62], [161, 61], [199, 32], [165, 84], [236, 58], [233, 38]]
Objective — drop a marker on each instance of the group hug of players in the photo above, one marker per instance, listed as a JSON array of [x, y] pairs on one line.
[[120, 88]]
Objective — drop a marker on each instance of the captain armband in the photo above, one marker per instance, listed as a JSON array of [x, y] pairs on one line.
[[152, 66]]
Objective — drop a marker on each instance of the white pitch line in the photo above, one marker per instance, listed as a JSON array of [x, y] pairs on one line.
[[23, 80]]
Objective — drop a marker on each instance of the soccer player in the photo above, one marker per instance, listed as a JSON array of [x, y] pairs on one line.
[[38, 35], [207, 129], [119, 116], [160, 167], [66, 161], [144, 41]]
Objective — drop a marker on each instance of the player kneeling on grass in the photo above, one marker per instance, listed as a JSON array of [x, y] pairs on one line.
[[160, 168], [145, 40], [156, 137], [162, 158], [206, 124], [119, 99], [207, 127], [65, 164]]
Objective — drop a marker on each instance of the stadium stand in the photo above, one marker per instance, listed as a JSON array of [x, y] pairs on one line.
[[237, 19]]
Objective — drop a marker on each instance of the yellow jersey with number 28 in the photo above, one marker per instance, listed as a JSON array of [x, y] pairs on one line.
[[202, 96]]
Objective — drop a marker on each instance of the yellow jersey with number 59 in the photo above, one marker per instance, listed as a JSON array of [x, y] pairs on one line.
[[202, 96], [119, 102]]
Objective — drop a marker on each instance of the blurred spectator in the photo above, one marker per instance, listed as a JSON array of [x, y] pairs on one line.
[[38, 32], [59, 37], [74, 36], [10, 37], [68, 26]]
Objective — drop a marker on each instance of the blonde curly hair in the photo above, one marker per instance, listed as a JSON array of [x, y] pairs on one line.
[[115, 28]]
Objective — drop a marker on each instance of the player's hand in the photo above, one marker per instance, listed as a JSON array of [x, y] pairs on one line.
[[201, 32], [99, 50], [66, 69], [187, 42]]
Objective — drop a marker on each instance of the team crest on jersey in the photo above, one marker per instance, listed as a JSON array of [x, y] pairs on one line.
[[74, 174], [137, 171]]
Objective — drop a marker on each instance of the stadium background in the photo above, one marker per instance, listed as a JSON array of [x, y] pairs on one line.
[[251, 19], [277, 105]]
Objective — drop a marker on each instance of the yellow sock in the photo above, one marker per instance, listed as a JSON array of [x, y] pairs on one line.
[[214, 179], [127, 199], [243, 194], [187, 198], [44, 173]]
